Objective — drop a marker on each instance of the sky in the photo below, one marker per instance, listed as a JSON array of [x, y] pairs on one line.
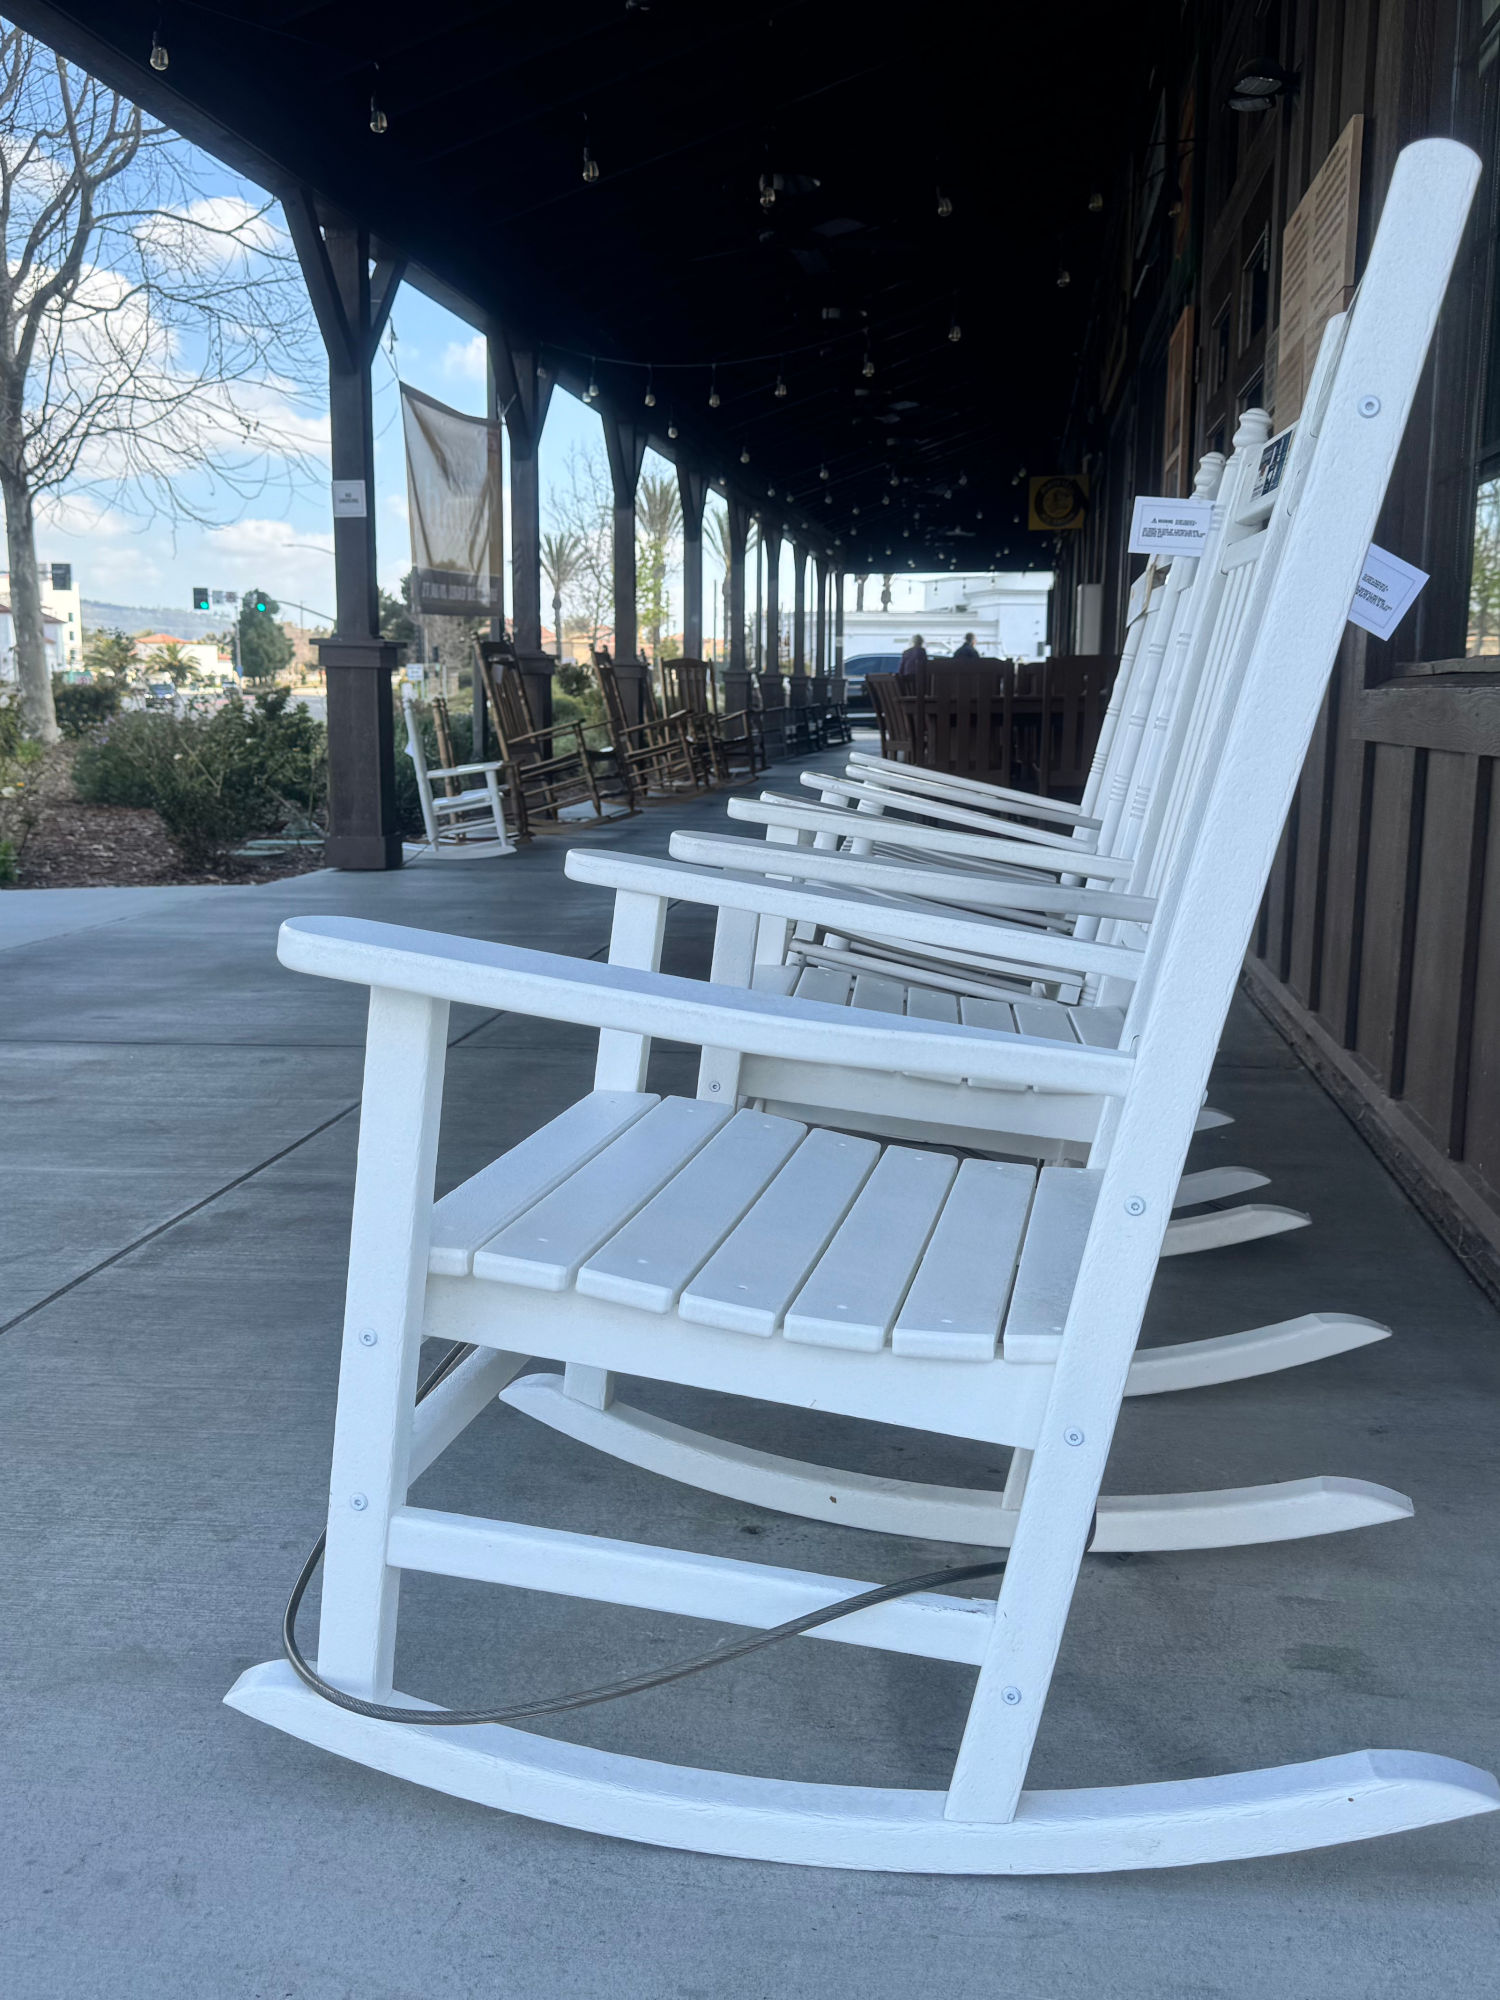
[[282, 543]]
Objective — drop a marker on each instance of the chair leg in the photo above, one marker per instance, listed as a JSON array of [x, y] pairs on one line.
[[398, 1133]]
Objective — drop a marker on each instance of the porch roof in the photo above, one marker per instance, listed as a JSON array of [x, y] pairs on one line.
[[864, 124]]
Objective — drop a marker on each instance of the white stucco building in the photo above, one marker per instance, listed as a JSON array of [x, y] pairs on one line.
[[1006, 610], [65, 606], [53, 641]]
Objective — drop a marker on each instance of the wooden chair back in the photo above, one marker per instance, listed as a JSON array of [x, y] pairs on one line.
[[895, 717], [1074, 696]]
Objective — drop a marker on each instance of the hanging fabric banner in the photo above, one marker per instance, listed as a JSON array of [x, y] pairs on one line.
[[453, 494]]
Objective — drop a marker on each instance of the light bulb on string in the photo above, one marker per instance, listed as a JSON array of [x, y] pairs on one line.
[[867, 368], [963, 479], [744, 454], [895, 479], [780, 389], [944, 205], [855, 510], [1064, 279], [650, 396], [823, 472], [590, 394], [955, 332], [378, 119], [885, 499], [590, 167], [159, 57], [768, 192], [713, 387], [672, 429]]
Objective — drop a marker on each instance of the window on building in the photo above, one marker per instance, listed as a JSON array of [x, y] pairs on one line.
[[1255, 290]]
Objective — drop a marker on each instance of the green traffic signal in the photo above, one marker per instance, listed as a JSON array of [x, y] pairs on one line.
[[200, 597]]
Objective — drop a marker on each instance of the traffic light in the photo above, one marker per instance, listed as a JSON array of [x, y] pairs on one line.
[[62, 576], [200, 597], [259, 601]]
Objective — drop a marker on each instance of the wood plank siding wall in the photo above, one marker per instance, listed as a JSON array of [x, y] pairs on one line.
[[1378, 948]]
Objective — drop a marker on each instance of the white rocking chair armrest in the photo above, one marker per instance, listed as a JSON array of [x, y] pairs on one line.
[[966, 888], [871, 790], [796, 815], [467, 770], [857, 913], [553, 987], [965, 791]]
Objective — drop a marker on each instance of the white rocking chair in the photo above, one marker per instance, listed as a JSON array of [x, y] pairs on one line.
[[468, 821], [744, 1253]]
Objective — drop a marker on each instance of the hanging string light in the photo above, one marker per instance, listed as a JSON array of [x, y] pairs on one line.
[[780, 390], [963, 479], [590, 164], [955, 331], [744, 454], [867, 368], [713, 387], [823, 472], [650, 396], [378, 119], [159, 57], [672, 429], [591, 393], [768, 192], [944, 205]]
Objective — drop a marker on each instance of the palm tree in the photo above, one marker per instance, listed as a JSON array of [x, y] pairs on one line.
[[171, 660], [562, 562], [658, 513], [717, 525]]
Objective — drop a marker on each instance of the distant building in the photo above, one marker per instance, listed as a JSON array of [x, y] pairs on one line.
[[62, 604], [208, 658], [1006, 610], [53, 642]]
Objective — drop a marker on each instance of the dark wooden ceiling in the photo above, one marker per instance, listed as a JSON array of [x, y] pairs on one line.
[[1014, 115]]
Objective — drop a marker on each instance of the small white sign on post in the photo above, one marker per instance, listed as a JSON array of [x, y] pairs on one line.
[[349, 499], [1165, 527], [1386, 591]]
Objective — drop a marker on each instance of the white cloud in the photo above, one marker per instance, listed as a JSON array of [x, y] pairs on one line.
[[466, 360]]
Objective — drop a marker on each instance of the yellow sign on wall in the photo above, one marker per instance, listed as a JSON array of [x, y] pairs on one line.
[[1059, 500]]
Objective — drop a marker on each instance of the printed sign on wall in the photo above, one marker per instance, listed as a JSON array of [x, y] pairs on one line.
[[1387, 590]]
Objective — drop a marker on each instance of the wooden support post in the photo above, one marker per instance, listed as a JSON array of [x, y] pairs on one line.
[[799, 608], [770, 534], [523, 392], [739, 533], [838, 621], [760, 600], [693, 487], [626, 445], [352, 303], [820, 639]]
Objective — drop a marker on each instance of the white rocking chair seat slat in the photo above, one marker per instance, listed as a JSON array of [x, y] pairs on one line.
[[546, 1245], [479, 1207], [648, 1262], [1060, 1217], [860, 1282], [751, 1280], [956, 1304]]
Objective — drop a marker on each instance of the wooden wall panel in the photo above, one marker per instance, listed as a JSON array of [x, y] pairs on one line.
[[1481, 1151], [1378, 1016], [1343, 917], [1441, 921]]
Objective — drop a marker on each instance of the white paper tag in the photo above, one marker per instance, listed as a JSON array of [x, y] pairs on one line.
[[1163, 527], [349, 499], [1386, 592]]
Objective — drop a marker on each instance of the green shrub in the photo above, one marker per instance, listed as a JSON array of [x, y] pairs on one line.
[[82, 705], [216, 776]]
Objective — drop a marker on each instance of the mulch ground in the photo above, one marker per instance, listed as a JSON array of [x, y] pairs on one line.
[[61, 844]]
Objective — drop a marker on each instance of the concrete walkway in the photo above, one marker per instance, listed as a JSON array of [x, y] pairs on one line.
[[177, 1150]]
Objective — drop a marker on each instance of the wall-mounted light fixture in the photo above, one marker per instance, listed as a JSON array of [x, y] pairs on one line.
[[1256, 84]]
